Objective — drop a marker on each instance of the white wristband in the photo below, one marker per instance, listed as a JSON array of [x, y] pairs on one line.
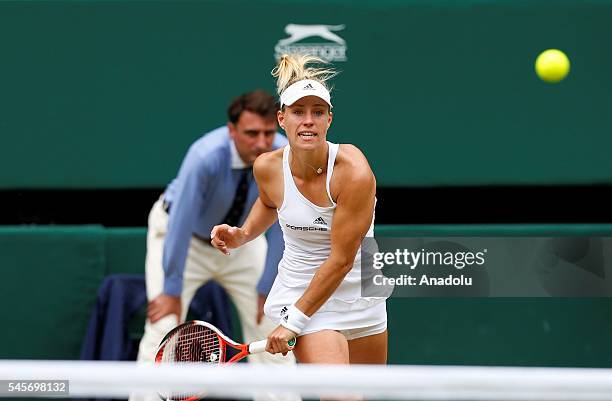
[[294, 320]]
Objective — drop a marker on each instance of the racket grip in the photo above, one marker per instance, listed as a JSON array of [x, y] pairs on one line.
[[258, 347]]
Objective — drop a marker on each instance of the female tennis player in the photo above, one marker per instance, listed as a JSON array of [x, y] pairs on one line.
[[323, 195]]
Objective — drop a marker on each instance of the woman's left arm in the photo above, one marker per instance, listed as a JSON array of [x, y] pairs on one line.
[[351, 222]]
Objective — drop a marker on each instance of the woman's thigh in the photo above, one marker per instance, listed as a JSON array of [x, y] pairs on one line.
[[369, 350], [326, 346]]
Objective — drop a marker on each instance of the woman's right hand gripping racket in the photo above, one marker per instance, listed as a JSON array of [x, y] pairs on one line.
[[198, 341]]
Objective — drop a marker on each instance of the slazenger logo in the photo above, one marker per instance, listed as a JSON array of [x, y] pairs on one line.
[[333, 50]]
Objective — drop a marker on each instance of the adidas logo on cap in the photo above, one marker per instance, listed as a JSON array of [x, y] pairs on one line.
[[309, 86], [319, 220]]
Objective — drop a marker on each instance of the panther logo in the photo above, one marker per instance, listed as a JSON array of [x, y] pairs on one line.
[[331, 48], [299, 32]]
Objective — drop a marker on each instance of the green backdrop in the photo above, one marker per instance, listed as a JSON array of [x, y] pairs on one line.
[[109, 94]]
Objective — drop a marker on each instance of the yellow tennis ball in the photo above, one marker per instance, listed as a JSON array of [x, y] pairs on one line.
[[552, 65]]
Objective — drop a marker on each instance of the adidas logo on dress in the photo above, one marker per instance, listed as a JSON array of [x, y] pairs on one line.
[[319, 220]]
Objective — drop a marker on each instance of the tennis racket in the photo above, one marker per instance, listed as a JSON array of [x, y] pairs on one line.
[[198, 341]]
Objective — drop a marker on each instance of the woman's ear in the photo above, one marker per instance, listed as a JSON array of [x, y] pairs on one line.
[[280, 116]]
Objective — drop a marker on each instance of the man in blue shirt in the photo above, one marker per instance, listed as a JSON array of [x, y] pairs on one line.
[[214, 185]]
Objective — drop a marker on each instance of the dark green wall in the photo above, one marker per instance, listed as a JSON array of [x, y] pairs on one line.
[[109, 94], [51, 276], [496, 331]]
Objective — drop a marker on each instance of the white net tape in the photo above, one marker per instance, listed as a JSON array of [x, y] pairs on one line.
[[120, 379]]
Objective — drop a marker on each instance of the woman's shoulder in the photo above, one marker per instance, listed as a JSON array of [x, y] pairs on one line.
[[268, 162], [272, 156], [352, 167], [352, 157]]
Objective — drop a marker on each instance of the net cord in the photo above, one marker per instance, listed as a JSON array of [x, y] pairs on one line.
[[120, 379]]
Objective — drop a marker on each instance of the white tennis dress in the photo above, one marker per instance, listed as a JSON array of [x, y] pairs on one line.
[[307, 232]]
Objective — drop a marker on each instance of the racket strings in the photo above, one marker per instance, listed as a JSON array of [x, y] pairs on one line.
[[194, 344]]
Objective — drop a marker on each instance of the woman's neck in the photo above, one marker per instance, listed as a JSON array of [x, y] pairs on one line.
[[310, 163]]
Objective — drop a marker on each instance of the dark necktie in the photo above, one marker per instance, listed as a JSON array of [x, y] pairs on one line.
[[232, 217]]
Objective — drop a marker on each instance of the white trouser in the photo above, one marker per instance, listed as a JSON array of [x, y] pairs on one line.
[[238, 273]]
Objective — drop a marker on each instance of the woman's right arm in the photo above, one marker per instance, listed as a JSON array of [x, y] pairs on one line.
[[261, 217]]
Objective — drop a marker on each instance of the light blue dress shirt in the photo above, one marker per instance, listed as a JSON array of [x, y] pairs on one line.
[[200, 197]]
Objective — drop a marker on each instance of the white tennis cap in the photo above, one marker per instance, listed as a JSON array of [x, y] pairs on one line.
[[303, 88]]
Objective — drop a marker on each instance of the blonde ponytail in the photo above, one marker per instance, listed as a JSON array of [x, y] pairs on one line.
[[292, 68]]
